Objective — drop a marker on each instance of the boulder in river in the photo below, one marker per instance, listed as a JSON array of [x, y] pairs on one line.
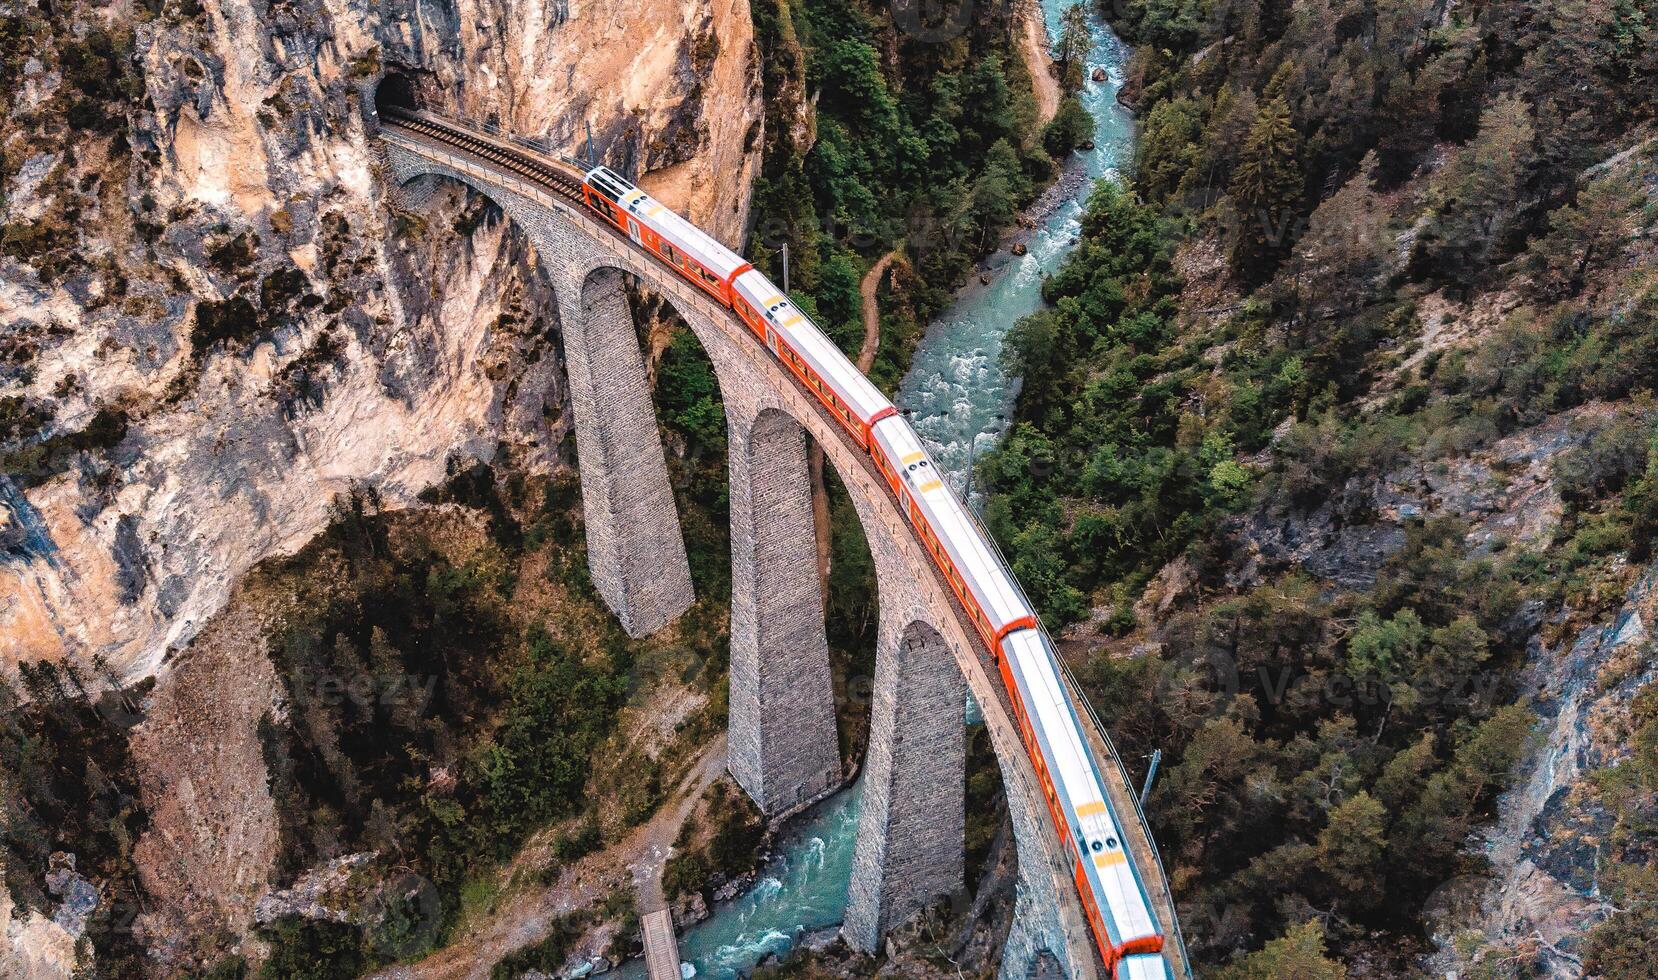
[[1099, 73], [1018, 248]]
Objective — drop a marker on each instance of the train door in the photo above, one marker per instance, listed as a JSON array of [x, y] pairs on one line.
[[633, 229]]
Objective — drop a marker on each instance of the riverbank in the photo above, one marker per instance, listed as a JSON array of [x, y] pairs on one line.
[[957, 389], [1036, 45]]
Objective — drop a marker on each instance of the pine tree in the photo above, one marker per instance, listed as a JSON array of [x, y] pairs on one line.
[[1071, 50], [1299, 955], [1351, 847], [1071, 125], [1596, 229], [1473, 198], [1346, 244], [1266, 192]]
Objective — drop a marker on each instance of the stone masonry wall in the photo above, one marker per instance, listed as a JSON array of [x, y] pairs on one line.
[[912, 832], [783, 746]]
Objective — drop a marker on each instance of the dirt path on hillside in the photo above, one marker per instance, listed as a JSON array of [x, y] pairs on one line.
[[872, 312], [1033, 42], [522, 916], [663, 829], [866, 360]]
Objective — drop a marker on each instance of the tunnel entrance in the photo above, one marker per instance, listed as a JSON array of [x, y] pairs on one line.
[[395, 91]]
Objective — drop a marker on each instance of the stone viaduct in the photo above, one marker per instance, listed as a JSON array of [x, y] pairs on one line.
[[783, 743]]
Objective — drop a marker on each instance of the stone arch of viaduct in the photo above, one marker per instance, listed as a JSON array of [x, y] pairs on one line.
[[782, 742]]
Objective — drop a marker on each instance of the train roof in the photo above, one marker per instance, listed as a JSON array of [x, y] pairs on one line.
[[979, 566], [1144, 966], [1076, 774], [827, 360], [683, 235]]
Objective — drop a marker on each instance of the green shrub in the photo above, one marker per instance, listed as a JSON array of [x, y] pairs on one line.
[[232, 322], [302, 949]]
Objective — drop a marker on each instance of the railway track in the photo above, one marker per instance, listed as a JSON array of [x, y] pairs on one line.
[[565, 183]]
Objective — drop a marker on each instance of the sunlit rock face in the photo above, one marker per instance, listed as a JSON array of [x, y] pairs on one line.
[[667, 90], [244, 323]]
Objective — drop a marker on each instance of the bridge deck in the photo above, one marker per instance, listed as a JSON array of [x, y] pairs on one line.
[[1123, 796], [661, 947]]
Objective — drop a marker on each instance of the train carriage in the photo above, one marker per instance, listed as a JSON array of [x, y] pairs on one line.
[[809, 354], [1115, 900], [654, 226], [972, 569]]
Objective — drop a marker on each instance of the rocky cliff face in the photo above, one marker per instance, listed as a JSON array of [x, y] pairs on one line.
[[668, 90], [213, 318]]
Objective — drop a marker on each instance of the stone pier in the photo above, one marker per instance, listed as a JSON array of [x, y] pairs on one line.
[[634, 549], [1029, 953], [911, 833], [784, 749]]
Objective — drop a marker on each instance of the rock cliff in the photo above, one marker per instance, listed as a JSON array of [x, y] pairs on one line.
[[213, 318]]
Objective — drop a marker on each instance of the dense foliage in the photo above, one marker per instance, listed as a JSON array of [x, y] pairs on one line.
[[1103, 475], [411, 664], [1335, 182], [1333, 750], [931, 148]]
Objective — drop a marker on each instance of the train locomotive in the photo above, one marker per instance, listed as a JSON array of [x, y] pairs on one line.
[[1114, 897]]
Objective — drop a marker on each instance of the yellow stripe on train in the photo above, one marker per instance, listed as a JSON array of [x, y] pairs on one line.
[[1110, 859], [1091, 809]]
